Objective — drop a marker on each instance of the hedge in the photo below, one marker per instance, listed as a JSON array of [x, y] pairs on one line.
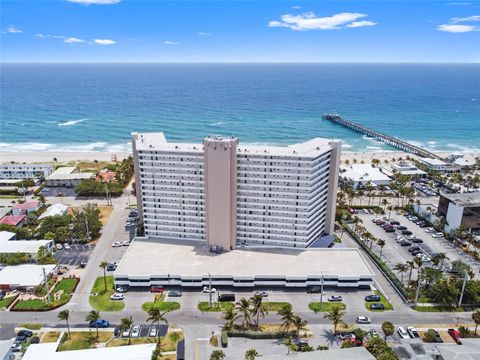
[[224, 339], [385, 269], [255, 335]]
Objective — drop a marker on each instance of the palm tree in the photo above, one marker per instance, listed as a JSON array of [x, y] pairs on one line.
[[401, 269], [411, 266], [104, 265], [251, 354], [381, 243], [287, 316], [389, 208], [290, 344], [356, 220], [476, 319], [125, 324], [230, 315], [258, 308], [418, 263], [442, 257], [335, 315], [155, 315], [217, 355], [93, 315], [299, 324], [388, 329], [65, 315], [243, 307]]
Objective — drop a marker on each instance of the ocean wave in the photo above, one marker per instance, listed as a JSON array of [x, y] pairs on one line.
[[216, 124], [90, 147], [374, 147], [71, 122]]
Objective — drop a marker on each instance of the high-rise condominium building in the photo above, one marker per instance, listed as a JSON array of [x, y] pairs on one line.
[[229, 194]]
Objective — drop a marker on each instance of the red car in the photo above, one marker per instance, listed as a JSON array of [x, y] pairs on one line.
[[157, 289], [455, 335]]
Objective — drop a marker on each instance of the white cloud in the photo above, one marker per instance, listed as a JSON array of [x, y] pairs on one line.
[[167, 42], [309, 21], [203, 34], [104, 42], [58, 37], [455, 26], [73, 40], [362, 23], [42, 36], [13, 30], [95, 2], [296, 7]]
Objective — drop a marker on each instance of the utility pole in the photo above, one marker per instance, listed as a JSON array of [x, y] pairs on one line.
[[417, 293], [209, 290], [45, 280], [106, 192], [321, 293], [463, 289], [86, 224]]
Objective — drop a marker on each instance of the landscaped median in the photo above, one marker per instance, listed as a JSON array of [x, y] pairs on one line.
[[216, 306], [60, 295], [100, 299], [160, 303], [326, 306], [383, 300], [7, 301]]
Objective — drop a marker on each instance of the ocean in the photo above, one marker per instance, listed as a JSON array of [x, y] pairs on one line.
[[95, 107]]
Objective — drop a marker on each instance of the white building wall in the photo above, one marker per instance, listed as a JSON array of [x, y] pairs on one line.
[[454, 217], [24, 171]]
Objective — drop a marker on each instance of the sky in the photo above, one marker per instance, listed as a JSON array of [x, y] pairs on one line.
[[239, 31]]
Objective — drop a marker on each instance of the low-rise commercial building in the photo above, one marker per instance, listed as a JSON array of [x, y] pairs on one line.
[[439, 165], [460, 210], [24, 276], [361, 175], [29, 247], [15, 220], [56, 209], [149, 262], [25, 171], [68, 176], [404, 168]]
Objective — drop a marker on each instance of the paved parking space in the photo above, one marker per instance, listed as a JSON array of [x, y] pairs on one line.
[[145, 328], [77, 254], [59, 191]]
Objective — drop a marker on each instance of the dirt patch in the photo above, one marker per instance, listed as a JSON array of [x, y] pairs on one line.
[[105, 212]]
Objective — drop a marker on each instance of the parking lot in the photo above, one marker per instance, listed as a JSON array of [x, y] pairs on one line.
[[393, 253], [74, 256], [59, 191]]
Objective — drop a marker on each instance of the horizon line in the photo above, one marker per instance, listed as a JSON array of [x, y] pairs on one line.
[[239, 62]]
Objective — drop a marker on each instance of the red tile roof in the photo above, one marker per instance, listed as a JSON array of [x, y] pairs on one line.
[[12, 219]]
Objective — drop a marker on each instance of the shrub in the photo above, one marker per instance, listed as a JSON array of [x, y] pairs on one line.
[[91, 187], [322, 347], [224, 339], [429, 336]]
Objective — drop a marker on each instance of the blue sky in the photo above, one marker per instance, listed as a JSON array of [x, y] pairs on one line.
[[243, 31]]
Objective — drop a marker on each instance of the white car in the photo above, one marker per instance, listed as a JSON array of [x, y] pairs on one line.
[[126, 243], [399, 238], [437, 235], [135, 331], [206, 290], [335, 298], [116, 296], [126, 332], [423, 257], [363, 320], [152, 331], [117, 244], [66, 247], [429, 230], [59, 246], [413, 332], [403, 333]]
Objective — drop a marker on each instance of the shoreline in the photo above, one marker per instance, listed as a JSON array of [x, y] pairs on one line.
[[65, 156]]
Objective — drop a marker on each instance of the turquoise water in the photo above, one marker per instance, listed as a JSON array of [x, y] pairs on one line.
[[95, 107]]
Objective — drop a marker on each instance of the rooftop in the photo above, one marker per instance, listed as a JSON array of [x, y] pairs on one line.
[[157, 141], [22, 246], [6, 236], [27, 205], [363, 173], [432, 161], [54, 210], [4, 211], [465, 199], [146, 257], [12, 219], [24, 275], [49, 351], [470, 350]]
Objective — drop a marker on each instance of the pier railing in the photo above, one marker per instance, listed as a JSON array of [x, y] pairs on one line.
[[387, 139]]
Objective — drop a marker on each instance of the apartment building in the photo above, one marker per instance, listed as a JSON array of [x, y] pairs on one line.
[[25, 171], [229, 194]]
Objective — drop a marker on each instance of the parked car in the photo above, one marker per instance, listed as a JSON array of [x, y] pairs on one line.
[[363, 320], [414, 248], [314, 290], [66, 247], [377, 306], [390, 230], [401, 227], [417, 240], [261, 293], [20, 339], [117, 331], [83, 264], [117, 296], [429, 230], [117, 244], [206, 290], [174, 293], [346, 336], [152, 332], [112, 267], [405, 243], [35, 340], [417, 252], [126, 243], [301, 344], [157, 289], [438, 338], [369, 298], [423, 257], [126, 332], [59, 246], [135, 331], [437, 235], [455, 334], [335, 298], [16, 347], [394, 222], [226, 297], [26, 333], [2, 294], [121, 289], [101, 323], [413, 332], [406, 232], [403, 333]]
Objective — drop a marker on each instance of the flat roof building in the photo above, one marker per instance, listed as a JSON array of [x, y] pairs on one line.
[[439, 165], [360, 175], [460, 210], [404, 168], [150, 262], [228, 194], [24, 276], [67, 176], [30, 247], [25, 171], [56, 209]]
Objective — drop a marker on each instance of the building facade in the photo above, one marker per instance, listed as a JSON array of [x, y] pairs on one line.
[[25, 171], [460, 210], [229, 194]]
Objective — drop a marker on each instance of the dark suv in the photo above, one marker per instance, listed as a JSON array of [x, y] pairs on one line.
[[314, 290], [372, 298]]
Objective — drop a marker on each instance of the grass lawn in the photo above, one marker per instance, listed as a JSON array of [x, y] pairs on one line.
[[83, 340], [161, 304], [31, 326], [275, 306], [383, 300], [438, 309], [101, 301], [203, 306], [67, 285], [326, 306], [50, 337], [167, 343], [7, 301]]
